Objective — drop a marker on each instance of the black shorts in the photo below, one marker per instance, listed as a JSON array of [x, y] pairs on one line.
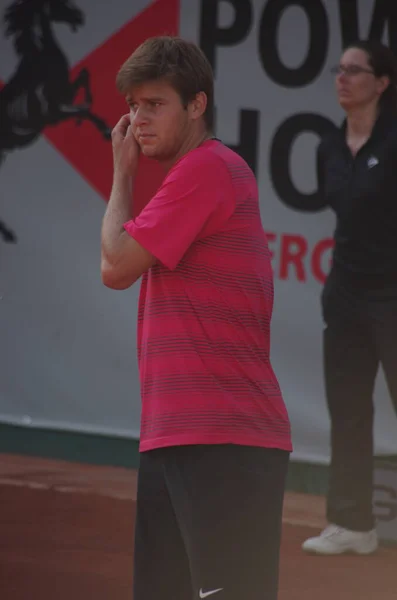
[[208, 523]]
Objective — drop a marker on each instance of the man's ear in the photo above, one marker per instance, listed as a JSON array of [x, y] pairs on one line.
[[198, 106]]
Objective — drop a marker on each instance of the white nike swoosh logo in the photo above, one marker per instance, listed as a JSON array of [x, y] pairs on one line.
[[206, 594]]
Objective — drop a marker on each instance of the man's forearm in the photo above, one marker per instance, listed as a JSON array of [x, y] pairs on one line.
[[118, 211]]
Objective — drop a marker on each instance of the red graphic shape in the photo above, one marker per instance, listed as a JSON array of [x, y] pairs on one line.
[[83, 146]]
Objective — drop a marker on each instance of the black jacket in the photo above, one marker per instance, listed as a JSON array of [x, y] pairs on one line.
[[363, 193]]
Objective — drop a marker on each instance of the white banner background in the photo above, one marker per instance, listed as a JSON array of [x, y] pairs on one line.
[[67, 345]]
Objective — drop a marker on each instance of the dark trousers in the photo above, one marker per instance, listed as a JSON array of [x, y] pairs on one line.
[[360, 335], [208, 523]]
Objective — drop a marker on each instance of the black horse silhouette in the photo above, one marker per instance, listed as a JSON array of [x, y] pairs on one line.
[[41, 93]]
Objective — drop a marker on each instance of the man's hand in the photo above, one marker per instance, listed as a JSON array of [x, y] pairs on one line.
[[125, 148], [123, 259]]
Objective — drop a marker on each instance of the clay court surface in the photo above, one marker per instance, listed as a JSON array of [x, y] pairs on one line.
[[67, 531]]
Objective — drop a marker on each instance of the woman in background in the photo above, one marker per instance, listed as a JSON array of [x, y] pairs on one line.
[[358, 176]]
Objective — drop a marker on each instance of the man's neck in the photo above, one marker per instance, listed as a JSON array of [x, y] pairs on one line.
[[190, 143]]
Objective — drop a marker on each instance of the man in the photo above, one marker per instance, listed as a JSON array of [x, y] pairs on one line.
[[215, 435]]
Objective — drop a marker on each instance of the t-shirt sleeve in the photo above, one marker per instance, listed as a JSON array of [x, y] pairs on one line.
[[195, 199]]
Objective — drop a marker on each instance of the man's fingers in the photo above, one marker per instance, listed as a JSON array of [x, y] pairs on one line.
[[122, 126]]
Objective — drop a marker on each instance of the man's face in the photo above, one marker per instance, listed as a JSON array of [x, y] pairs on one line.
[[159, 121]]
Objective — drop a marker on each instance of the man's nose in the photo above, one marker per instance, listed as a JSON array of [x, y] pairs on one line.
[[139, 116]]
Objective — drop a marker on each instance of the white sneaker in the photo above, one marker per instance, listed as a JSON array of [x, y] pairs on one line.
[[337, 540]]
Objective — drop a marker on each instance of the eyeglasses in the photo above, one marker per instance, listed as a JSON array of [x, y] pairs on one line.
[[350, 70]]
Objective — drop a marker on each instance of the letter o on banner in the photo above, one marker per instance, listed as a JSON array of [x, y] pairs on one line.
[[280, 154], [317, 48]]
